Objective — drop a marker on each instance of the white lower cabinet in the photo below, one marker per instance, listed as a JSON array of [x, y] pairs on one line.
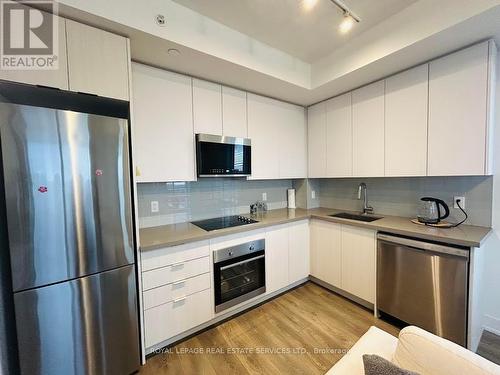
[[177, 281], [359, 262], [179, 315], [277, 242], [167, 256], [175, 272], [287, 254], [298, 251], [326, 244], [344, 256], [178, 289]]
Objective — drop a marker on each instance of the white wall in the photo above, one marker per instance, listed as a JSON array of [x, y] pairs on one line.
[[491, 276]]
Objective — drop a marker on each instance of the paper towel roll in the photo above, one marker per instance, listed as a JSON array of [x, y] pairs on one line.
[[291, 198]]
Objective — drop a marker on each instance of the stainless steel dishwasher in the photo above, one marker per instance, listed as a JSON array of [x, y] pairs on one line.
[[424, 284]]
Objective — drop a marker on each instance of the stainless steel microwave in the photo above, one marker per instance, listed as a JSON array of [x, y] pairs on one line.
[[218, 156]]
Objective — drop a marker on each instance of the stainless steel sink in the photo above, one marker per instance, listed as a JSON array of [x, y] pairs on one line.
[[359, 217]]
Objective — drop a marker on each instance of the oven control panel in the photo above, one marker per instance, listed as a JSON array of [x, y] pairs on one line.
[[239, 250]]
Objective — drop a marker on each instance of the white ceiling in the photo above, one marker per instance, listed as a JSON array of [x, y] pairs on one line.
[[288, 26], [218, 53]]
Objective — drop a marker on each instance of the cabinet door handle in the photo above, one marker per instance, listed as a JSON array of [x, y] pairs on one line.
[[179, 282], [179, 264], [181, 299]]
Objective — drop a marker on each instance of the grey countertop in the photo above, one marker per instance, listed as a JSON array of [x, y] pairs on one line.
[[177, 234]]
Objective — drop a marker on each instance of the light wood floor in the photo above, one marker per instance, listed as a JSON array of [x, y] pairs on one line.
[[489, 347], [308, 318]]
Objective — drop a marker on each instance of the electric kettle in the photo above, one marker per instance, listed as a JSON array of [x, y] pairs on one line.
[[429, 211]]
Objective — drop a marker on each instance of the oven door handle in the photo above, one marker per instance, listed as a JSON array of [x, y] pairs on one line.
[[242, 262]]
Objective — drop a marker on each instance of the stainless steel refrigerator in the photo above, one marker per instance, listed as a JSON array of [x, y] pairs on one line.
[[66, 179]]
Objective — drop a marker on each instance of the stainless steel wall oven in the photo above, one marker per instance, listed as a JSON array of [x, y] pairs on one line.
[[239, 274]]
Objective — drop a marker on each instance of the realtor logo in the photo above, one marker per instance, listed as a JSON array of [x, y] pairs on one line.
[[29, 38]]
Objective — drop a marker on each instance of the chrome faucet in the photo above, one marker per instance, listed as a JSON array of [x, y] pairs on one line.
[[363, 189]]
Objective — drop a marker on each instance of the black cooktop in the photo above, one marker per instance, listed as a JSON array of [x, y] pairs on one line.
[[223, 222]]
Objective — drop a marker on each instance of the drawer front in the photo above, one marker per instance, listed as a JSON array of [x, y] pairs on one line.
[[176, 272], [170, 255], [179, 289], [165, 321]]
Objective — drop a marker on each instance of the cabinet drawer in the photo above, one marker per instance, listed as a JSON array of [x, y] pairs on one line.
[[179, 289], [175, 272], [171, 255], [165, 321]]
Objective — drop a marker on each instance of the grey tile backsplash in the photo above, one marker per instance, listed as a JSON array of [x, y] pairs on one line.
[[401, 196], [188, 201], [206, 198]]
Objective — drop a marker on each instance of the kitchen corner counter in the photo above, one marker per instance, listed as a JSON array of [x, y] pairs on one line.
[[177, 234], [463, 235]]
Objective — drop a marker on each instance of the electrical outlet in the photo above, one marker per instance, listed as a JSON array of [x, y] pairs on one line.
[[264, 197], [462, 202], [313, 194], [155, 206]]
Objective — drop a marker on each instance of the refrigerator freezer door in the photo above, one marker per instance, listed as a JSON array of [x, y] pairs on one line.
[[83, 326], [67, 187]]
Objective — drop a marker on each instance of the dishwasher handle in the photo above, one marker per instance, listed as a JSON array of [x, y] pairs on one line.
[[422, 245]]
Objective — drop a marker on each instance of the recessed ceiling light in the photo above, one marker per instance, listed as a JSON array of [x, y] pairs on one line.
[[160, 20], [346, 24], [173, 52], [308, 4]]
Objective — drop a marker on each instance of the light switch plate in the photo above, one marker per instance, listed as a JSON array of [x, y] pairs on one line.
[[155, 206], [313, 194], [264, 197], [462, 202]]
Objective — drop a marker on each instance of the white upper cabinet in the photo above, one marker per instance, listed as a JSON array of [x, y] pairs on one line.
[[339, 136], [292, 141], [316, 128], [234, 113], [459, 121], [406, 96], [163, 125], [368, 130], [278, 134], [97, 61], [264, 133], [207, 107], [435, 119], [57, 78]]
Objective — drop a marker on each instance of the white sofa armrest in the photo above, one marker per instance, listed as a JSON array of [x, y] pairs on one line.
[[374, 341], [428, 354]]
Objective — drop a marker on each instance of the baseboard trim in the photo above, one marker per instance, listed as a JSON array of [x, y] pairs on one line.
[[343, 293], [491, 324], [219, 319]]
